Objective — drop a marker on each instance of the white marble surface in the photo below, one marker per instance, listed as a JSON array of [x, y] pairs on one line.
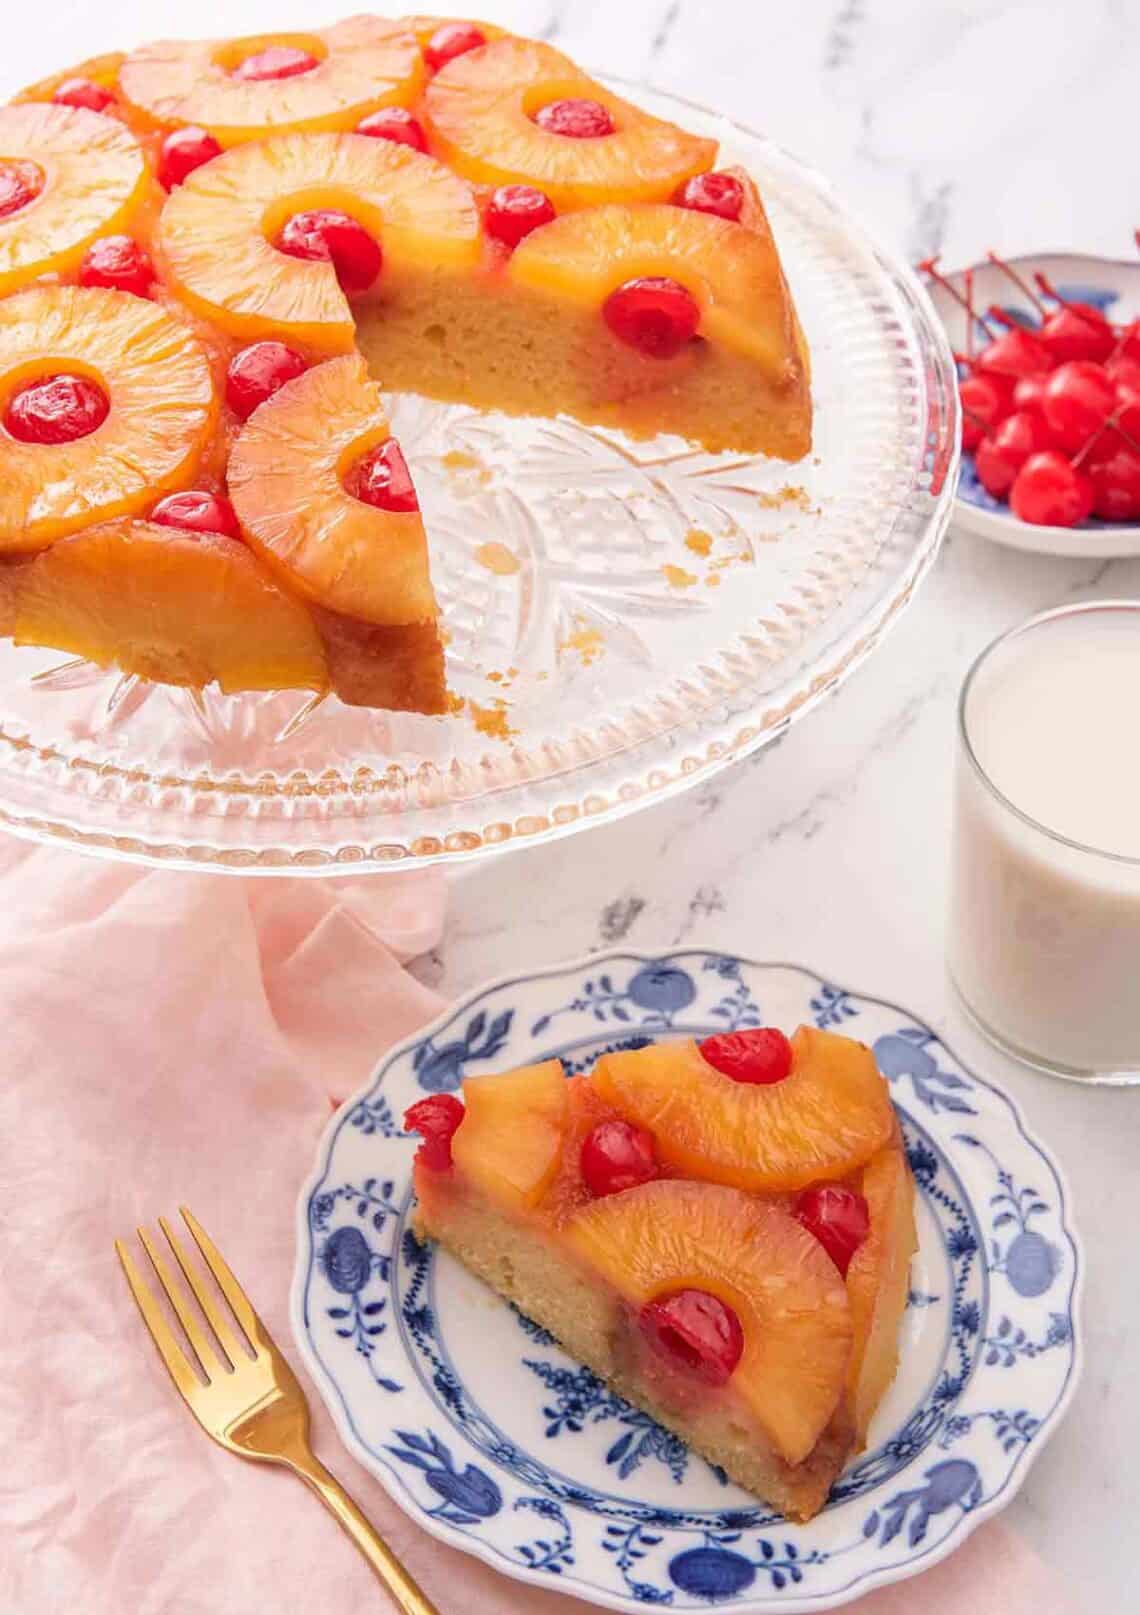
[[950, 125]]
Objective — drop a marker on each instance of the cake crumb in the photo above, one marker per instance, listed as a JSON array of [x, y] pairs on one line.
[[713, 582], [492, 720], [498, 558], [697, 540], [460, 460], [677, 578], [790, 494], [587, 642]]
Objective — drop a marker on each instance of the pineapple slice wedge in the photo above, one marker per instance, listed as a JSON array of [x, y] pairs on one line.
[[286, 483], [754, 1256], [733, 272], [163, 410], [178, 608], [217, 230], [827, 1118], [94, 178], [479, 114], [363, 63]]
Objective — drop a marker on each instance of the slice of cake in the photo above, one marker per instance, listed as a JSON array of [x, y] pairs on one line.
[[209, 249], [722, 1231]]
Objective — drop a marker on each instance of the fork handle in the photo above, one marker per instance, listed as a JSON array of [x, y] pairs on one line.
[[405, 1592]]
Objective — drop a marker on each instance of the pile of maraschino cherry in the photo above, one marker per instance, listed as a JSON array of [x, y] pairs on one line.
[[1050, 411]]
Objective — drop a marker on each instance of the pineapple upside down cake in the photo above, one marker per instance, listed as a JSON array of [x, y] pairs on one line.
[[212, 254], [722, 1231]]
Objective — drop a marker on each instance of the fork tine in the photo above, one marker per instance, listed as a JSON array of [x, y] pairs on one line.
[[230, 1288], [187, 1316], [207, 1300], [161, 1333]]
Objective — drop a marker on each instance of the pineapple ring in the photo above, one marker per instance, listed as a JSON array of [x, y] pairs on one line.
[[157, 377], [828, 1117], [752, 1255], [172, 607], [94, 176], [734, 273], [424, 26], [363, 63], [478, 110], [102, 70], [215, 230], [285, 481]]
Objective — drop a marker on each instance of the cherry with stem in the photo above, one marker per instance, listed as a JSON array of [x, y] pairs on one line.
[[929, 266]]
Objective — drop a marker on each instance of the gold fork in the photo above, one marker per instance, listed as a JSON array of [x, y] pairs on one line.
[[251, 1405]]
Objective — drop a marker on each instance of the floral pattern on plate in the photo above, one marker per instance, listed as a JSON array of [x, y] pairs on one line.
[[491, 1437]]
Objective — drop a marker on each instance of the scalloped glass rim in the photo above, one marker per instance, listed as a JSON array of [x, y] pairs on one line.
[[73, 777]]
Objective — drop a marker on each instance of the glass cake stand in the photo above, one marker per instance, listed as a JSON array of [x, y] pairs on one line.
[[624, 619]]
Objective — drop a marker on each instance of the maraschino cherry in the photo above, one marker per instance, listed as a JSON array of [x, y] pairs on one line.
[[1001, 455], [394, 123], [118, 263], [1014, 353], [654, 314], [1129, 344], [1071, 330], [696, 1330], [1116, 485], [197, 511], [1077, 331], [20, 183], [451, 40], [436, 1119], [721, 194], [616, 1155], [57, 409], [257, 372], [983, 406], [514, 211], [275, 62], [838, 1218], [183, 151], [1050, 492], [382, 479], [335, 238], [576, 117], [1029, 393], [761, 1055], [1078, 398], [1124, 371], [80, 92]]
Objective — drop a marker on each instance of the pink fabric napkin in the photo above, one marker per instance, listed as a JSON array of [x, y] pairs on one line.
[[174, 1038]]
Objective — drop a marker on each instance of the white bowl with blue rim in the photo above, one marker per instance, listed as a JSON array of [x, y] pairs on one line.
[[1110, 284], [491, 1438]]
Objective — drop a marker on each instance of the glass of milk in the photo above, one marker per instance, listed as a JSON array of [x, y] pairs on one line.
[[1044, 937]]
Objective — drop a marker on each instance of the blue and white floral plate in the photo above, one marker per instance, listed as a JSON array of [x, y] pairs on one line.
[[1110, 284], [494, 1440]]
